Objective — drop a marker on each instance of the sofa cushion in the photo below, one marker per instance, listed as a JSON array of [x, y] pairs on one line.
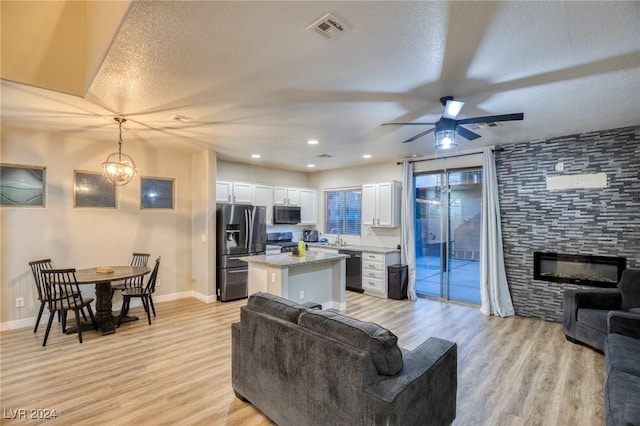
[[629, 286], [274, 305], [594, 318], [621, 354], [621, 401], [381, 344]]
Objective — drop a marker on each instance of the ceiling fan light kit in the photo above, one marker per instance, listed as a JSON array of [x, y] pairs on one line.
[[446, 139], [447, 127], [119, 168]]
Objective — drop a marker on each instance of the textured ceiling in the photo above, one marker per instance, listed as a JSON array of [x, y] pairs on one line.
[[254, 80]]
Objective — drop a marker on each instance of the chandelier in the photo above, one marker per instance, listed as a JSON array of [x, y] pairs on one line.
[[119, 168]]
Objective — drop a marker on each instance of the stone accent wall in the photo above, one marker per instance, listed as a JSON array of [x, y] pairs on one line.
[[602, 222]]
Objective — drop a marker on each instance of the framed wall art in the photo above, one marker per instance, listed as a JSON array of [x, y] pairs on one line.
[[156, 193], [22, 186], [92, 189]]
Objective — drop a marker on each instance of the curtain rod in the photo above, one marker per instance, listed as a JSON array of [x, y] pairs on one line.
[[499, 149]]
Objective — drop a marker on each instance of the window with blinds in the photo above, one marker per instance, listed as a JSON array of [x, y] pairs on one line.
[[342, 211]]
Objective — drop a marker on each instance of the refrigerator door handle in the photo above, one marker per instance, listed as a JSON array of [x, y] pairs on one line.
[[246, 230], [251, 217]]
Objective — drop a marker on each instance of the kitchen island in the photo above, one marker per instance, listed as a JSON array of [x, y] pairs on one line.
[[315, 277]]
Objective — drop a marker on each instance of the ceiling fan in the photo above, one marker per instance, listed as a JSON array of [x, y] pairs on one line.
[[447, 126]]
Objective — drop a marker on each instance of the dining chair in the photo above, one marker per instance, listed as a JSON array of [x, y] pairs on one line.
[[62, 292], [37, 266], [142, 292], [138, 259]]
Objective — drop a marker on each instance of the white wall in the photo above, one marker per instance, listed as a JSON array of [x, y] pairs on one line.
[[87, 237], [232, 171], [203, 226]]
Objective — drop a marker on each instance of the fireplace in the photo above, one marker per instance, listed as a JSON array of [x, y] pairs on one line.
[[598, 271]]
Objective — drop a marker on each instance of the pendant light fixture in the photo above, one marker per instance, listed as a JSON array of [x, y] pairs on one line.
[[119, 168]]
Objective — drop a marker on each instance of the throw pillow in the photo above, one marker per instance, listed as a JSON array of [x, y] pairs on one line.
[[629, 286], [381, 344]]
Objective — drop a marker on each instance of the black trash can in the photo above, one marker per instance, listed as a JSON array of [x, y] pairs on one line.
[[397, 281]]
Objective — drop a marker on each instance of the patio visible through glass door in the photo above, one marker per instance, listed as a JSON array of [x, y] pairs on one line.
[[448, 234]]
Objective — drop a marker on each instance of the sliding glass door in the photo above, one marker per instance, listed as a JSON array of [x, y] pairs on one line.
[[448, 234]]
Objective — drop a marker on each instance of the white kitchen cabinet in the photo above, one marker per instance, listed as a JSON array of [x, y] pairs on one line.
[[263, 196], [234, 192], [224, 191], [283, 196], [374, 271], [381, 204], [242, 193], [308, 206]]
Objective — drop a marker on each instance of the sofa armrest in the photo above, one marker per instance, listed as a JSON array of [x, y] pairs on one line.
[[425, 388], [625, 323], [236, 352], [574, 299]]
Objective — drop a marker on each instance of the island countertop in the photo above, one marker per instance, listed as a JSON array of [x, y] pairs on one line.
[[287, 260]]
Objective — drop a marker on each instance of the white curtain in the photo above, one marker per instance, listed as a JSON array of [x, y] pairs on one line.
[[408, 236], [494, 289]]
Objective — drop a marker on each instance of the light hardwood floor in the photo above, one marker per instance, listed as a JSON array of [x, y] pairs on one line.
[[514, 371]]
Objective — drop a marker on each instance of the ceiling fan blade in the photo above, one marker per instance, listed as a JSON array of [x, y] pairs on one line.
[[467, 134], [408, 124], [492, 118], [452, 108], [419, 135]]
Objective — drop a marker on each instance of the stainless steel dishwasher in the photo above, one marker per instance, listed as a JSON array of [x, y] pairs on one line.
[[354, 270]]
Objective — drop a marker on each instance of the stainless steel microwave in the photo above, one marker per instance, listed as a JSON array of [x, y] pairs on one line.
[[286, 215]]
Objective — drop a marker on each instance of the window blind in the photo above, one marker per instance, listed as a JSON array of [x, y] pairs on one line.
[[342, 211]]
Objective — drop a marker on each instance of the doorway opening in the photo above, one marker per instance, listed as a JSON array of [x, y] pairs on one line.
[[448, 213]]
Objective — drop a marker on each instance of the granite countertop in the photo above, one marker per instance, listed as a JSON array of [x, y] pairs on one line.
[[287, 260], [371, 249]]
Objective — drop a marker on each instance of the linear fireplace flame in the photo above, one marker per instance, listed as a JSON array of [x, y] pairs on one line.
[[598, 271]]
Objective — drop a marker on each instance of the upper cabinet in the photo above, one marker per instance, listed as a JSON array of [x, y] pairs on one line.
[[286, 196], [263, 196], [308, 206], [266, 195], [234, 192], [381, 204], [224, 191]]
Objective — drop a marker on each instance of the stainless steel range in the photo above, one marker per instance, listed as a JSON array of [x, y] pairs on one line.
[[282, 239]]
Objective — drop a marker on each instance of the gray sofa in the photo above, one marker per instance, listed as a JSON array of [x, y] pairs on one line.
[[622, 362], [586, 310], [304, 366]]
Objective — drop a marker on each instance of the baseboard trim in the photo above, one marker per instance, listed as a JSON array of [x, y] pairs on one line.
[[30, 322]]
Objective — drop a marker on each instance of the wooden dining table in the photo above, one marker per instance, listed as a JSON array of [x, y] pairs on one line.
[[102, 280]]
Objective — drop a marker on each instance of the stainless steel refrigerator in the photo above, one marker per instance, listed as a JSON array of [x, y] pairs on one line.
[[241, 231]]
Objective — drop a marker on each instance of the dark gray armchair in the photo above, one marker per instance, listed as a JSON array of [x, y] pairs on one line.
[[621, 352], [587, 312]]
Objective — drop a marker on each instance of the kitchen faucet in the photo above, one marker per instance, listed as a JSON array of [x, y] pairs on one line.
[[338, 241]]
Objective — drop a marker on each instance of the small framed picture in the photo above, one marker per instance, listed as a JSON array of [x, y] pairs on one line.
[[156, 193], [93, 189], [22, 186]]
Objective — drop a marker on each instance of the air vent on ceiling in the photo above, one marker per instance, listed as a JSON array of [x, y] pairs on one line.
[[325, 156], [479, 126], [328, 26]]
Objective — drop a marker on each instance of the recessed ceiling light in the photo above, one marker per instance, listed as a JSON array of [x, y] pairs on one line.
[[312, 142], [311, 165], [366, 155], [255, 155]]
